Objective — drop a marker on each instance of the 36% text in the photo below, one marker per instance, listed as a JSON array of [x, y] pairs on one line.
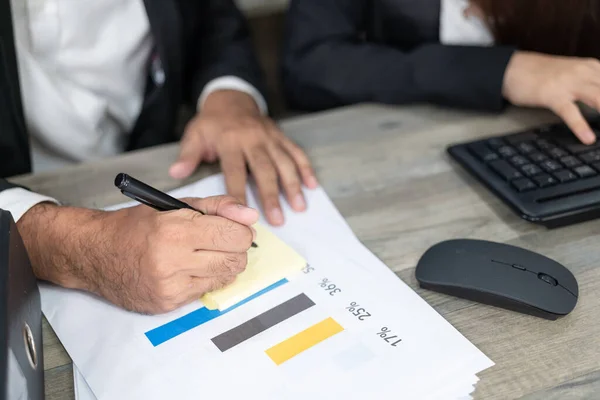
[[386, 335], [329, 287]]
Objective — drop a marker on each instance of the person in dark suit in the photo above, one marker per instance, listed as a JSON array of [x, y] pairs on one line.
[[478, 54], [87, 80]]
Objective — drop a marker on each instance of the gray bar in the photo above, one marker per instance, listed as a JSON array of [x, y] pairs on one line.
[[262, 322]]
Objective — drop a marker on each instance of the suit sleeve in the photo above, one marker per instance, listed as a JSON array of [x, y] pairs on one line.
[[225, 48], [18, 200], [327, 62]]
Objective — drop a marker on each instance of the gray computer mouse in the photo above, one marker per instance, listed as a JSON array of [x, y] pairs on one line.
[[500, 275]]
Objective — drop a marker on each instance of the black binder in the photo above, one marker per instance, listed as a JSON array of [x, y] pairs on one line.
[[21, 352]]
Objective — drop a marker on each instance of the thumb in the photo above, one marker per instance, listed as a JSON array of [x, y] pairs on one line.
[[190, 155], [225, 206]]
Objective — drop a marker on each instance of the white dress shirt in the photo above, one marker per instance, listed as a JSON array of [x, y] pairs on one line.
[[82, 67], [458, 29]]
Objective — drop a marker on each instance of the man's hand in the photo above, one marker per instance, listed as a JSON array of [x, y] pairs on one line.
[[138, 258], [231, 128], [556, 83]]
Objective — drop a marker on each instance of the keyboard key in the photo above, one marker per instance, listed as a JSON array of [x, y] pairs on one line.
[[495, 143], [546, 129], [584, 171], [565, 176], [537, 157], [525, 147], [517, 161], [531, 170], [507, 151], [577, 148], [548, 150], [557, 153], [550, 165], [570, 161], [521, 137], [544, 180], [505, 170], [544, 144], [572, 143], [483, 152], [597, 166], [523, 184], [591, 157]]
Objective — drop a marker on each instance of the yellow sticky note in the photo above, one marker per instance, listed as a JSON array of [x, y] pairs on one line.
[[269, 262]]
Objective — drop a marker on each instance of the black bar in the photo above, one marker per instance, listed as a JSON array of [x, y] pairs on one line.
[[262, 322]]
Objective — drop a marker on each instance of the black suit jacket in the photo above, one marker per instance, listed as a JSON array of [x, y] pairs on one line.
[[340, 52], [196, 41]]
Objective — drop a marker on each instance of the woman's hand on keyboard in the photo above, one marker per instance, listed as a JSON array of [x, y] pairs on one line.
[[557, 83]]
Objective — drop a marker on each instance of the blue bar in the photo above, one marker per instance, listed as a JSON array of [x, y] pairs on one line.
[[196, 318]]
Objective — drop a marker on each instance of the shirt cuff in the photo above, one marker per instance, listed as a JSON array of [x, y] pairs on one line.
[[18, 201], [231, 82]]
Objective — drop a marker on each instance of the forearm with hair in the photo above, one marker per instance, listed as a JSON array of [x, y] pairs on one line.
[[65, 243]]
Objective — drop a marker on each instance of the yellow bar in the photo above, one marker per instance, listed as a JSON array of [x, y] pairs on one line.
[[304, 340]]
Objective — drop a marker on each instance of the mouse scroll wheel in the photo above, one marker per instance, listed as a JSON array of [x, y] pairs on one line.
[[548, 279]]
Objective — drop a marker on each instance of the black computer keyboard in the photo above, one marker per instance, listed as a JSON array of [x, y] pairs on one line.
[[545, 174]]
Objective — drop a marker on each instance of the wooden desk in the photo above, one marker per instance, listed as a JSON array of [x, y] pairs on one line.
[[387, 172]]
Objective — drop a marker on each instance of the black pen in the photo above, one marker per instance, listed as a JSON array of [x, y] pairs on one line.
[[146, 194]]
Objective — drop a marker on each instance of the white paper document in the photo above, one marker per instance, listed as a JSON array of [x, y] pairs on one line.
[[344, 327]]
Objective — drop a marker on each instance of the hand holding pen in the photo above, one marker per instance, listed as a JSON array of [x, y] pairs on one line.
[[150, 196], [154, 262]]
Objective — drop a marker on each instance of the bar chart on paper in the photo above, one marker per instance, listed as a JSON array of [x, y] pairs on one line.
[[329, 325], [315, 315], [308, 311]]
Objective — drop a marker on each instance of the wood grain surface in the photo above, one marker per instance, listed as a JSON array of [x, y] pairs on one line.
[[386, 170]]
